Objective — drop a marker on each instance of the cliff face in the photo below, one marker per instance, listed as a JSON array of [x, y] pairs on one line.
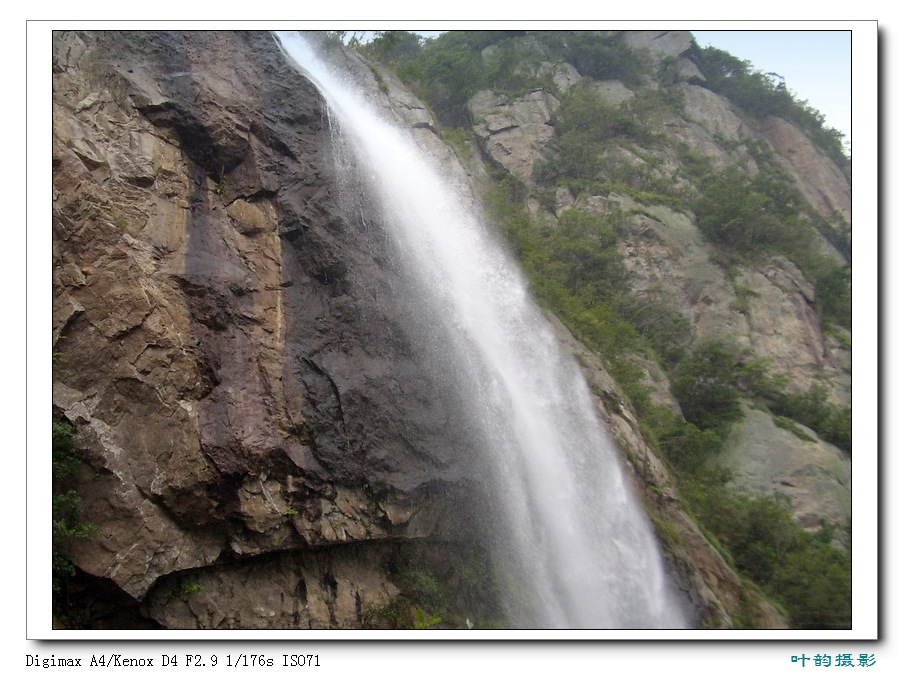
[[261, 432], [266, 446]]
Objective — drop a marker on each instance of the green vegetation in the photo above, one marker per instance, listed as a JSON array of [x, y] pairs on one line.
[[587, 126], [394, 48], [424, 621], [803, 572], [425, 602], [575, 269], [595, 55], [706, 385], [793, 427], [745, 214], [585, 118], [833, 294], [66, 509], [424, 588], [118, 218], [447, 70], [832, 423], [759, 535], [451, 587], [222, 185], [709, 382]]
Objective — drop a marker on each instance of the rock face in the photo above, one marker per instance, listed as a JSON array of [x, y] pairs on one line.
[[816, 480], [515, 133], [817, 178], [229, 347]]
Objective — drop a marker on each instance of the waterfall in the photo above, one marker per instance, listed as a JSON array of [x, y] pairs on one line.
[[577, 550]]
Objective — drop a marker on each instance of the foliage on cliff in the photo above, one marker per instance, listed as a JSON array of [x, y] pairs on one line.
[[67, 523]]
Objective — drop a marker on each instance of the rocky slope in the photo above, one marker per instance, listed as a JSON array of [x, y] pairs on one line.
[[266, 446]]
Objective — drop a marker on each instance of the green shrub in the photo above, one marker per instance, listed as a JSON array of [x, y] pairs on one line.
[[425, 621], [706, 385], [424, 589], [666, 329], [813, 583], [743, 214], [813, 409], [394, 47], [582, 255], [66, 507], [449, 69], [65, 456], [586, 125], [596, 55], [808, 576], [833, 295], [688, 447]]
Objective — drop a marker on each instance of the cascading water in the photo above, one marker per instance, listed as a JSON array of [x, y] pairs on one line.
[[578, 552]]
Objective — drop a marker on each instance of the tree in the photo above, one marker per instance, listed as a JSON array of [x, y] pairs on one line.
[[394, 47], [66, 506], [705, 385]]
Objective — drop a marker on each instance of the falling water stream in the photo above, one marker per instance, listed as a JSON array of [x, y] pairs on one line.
[[577, 550]]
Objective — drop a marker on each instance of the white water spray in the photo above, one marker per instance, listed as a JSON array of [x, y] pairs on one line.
[[577, 551]]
